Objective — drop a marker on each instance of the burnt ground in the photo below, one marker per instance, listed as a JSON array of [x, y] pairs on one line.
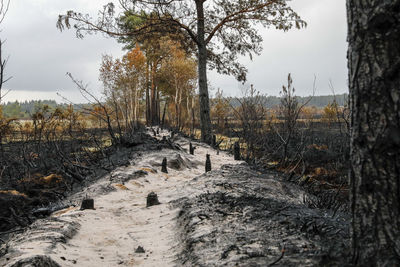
[[28, 199], [232, 216], [246, 218]]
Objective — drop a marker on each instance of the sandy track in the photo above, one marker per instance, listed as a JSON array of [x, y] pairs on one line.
[[109, 235]]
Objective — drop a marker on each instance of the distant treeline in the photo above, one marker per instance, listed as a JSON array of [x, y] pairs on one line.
[[317, 101], [23, 110]]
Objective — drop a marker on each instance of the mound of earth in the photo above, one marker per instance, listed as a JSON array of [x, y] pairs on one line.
[[240, 217]]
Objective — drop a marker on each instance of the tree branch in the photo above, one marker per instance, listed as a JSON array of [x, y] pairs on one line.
[[232, 17]]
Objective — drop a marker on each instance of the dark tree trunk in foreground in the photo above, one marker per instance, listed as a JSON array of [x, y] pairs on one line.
[[374, 77], [205, 120]]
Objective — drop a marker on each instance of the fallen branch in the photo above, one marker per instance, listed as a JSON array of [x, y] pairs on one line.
[[275, 262]]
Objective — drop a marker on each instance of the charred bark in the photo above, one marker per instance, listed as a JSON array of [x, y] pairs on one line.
[[208, 163], [87, 203], [152, 200], [164, 166], [205, 121], [374, 78], [163, 116]]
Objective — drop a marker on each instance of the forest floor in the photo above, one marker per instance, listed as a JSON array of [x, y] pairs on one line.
[[232, 216]]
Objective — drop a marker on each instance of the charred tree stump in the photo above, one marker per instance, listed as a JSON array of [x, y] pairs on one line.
[[140, 249], [158, 130], [154, 132], [191, 149], [152, 200], [87, 204], [208, 163], [236, 151], [164, 166]]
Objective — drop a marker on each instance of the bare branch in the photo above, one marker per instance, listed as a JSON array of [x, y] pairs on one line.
[[4, 5], [3, 64], [235, 16]]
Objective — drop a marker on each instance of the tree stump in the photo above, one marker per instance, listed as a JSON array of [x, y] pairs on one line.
[[164, 138], [140, 249], [158, 130], [236, 152], [214, 141], [152, 199], [164, 166], [87, 204], [191, 149], [208, 163]]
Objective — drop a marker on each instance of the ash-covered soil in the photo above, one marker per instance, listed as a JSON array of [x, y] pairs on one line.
[[241, 217], [231, 216]]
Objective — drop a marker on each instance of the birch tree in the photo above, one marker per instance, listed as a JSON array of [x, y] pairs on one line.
[[123, 82], [177, 76]]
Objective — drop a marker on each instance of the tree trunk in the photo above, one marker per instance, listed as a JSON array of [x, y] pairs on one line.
[[147, 93], [180, 110], [153, 105], [187, 120], [136, 109], [176, 115], [374, 78], [205, 122], [176, 106], [2, 65], [163, 116], [193, 117], [158, 108]]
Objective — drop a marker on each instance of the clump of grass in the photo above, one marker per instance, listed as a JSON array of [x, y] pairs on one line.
[[121, 186], [13, 192]]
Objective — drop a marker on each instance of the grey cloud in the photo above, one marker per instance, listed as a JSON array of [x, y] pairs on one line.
[[40, 55], [318, 50]]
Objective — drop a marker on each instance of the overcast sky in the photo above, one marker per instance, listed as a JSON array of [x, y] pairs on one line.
[[40, 56]]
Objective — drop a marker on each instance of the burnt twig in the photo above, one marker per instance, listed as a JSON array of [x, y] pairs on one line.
[[277, 260]]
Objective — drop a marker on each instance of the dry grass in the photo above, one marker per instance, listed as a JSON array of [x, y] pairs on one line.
[[137, 184], [38, 178], [317, 147], [13, 192], [121, 186], [61, 212], [148, 170], [320, 171], [50, 179]]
